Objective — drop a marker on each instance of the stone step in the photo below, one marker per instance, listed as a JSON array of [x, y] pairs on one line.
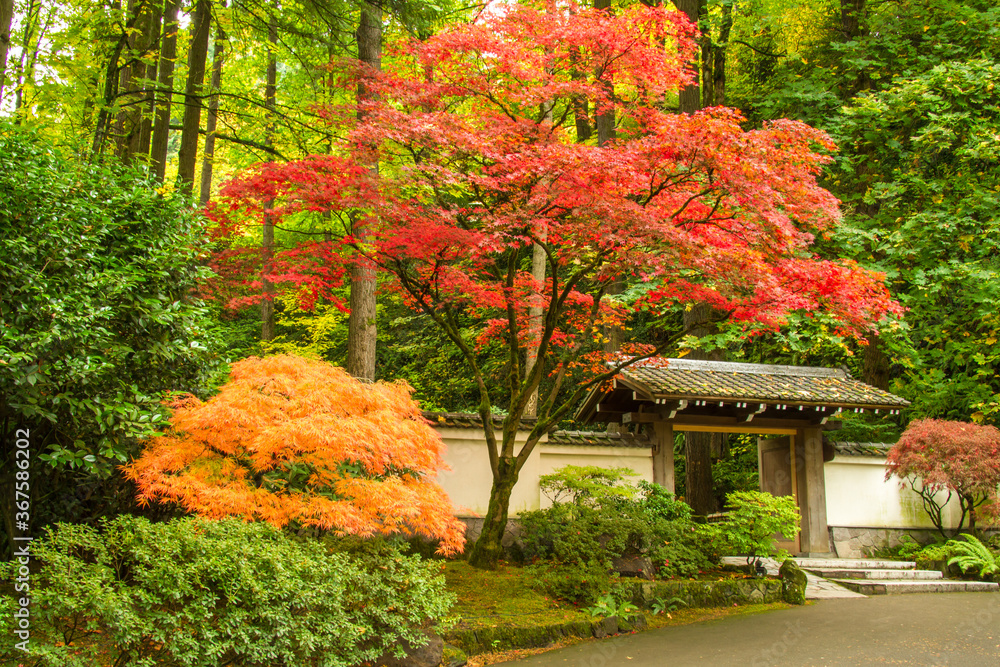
[[869, 587], [853, 573], [854, 564]]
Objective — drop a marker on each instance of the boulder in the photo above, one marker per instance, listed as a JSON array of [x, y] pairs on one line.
[[633, 566], [793, 583], [428, 655]]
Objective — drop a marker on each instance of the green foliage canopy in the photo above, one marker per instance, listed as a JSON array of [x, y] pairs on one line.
[[98, 312]]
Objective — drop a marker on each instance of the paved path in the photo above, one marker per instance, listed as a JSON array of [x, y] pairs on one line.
[[955, 629]]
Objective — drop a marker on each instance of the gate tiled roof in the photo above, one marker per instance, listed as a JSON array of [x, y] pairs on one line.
[[719, 380]]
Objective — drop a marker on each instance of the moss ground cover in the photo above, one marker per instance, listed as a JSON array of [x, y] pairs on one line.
[[502, 597]]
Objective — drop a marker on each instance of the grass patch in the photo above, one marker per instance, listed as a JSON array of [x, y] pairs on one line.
[[502, 598]]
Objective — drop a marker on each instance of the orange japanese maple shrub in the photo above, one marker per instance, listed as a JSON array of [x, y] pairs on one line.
[[292, 439]]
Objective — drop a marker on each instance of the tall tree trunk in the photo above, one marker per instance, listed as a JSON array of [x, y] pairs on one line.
[[134, 84], [187, 158], [699, 447], [534, 324], [689, 98], [875, 363], [111, 88], [361, 327], [851, 14], [719, 56], [707, 58], [605, 121], [164, 92], [270, 106], [6, 16], [208, 154], [853, 26], [35, 34], [141, 140]]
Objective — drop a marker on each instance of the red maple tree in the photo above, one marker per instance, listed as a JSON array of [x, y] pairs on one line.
[[291, 439], [477, 132], [957, 458]]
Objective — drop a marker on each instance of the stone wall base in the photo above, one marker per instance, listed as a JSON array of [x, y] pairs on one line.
[[862, 542]]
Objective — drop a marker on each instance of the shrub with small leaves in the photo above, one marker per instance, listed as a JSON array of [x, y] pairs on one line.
[[202, 593], [602, 519]]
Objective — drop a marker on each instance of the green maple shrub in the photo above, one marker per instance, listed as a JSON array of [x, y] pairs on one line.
[[753, 520], [200, 593], [597, 516]]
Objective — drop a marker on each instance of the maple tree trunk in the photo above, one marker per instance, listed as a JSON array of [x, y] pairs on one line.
[[689, 98], [6, 16], [361, 327], [488, 549], [267, 240], [208, 153], [187, 158], [164, 85]]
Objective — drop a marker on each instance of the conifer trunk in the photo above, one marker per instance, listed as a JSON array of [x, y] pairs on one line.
[[208, 153], [187, 158], [361, 326], [689, 98], [6, 16], [267, 331], [164, 91]]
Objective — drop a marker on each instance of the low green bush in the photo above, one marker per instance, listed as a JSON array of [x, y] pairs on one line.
[[931, 556], [199, 593], [598, 517]]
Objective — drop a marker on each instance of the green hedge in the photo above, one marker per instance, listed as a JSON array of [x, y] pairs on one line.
[[198, 593]]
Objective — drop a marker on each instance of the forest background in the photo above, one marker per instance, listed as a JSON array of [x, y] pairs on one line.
[[195, 93]]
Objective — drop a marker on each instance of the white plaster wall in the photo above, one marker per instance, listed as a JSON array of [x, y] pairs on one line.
[[469, 480], [857, 495], [554, 457]]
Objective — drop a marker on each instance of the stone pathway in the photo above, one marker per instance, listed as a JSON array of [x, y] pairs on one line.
[[858, 578], [817, 588]]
